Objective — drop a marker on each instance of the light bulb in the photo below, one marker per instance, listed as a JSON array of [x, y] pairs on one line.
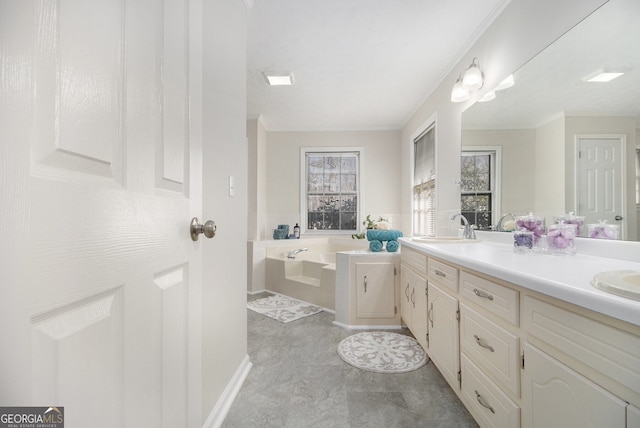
[[459, 93]]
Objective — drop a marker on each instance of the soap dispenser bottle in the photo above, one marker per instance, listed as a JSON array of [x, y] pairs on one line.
[[296, 231]]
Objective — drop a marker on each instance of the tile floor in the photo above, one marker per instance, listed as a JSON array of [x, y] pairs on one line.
[[298, 380]]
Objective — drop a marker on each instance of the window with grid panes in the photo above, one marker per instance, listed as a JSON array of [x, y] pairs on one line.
[[424, 183], [332, 190], [477, 187]]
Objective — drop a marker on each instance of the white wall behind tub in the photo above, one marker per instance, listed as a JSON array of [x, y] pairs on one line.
[[380, 178], [523, 29]]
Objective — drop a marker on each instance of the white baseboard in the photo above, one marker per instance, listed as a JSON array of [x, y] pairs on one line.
[[219, 412], [367, 327]]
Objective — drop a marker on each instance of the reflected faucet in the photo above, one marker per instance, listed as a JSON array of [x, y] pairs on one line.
[[469, 232], [292, 254], [499, 226]]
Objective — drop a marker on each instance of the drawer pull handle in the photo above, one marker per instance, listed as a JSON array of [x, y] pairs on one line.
[[406, 291], [365, 283], [413, 293], [482, 343], [440, 273], [482, 294], [483, 403]]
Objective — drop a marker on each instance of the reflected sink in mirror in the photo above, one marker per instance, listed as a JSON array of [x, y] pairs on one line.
[[443, 240], [625, 283]]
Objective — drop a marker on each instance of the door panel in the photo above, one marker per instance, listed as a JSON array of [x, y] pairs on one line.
[[600, 184], [107, 275]]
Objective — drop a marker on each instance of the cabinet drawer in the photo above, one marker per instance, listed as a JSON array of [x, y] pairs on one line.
[[442, 274], [495, 298], [415, 260], [491, 347], [486, 402], [609, 350]]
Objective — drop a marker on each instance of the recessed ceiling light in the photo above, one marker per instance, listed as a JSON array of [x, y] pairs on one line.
[[279, 79], [603, 75]]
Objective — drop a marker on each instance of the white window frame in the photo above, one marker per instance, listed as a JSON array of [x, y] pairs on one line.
[[303, 188]]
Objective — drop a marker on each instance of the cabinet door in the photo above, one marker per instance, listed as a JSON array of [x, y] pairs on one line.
[[419, 309], [444, 347], [375, 296], [556, 396]]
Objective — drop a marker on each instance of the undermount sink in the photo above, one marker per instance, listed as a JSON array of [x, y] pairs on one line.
[[625, 283], [443, 240]]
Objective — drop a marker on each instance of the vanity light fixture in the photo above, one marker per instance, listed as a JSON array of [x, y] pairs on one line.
[[603, 75], [489, 96], [459, 93], [279, 79], [473, 78], [506, 83]]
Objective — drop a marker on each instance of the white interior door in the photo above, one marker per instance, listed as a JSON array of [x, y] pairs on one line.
[[101, 176], [600, 185]]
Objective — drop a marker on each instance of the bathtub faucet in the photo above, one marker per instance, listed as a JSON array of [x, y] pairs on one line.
[[292, 254], [468, 233]]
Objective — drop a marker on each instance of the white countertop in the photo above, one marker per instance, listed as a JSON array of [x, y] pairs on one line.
[[566, 278]]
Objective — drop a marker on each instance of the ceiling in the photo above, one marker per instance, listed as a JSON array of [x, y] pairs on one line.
[[551, 84], [358, 64]]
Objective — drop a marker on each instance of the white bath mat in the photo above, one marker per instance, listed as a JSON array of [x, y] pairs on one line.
[[282, 308], [382, 352]]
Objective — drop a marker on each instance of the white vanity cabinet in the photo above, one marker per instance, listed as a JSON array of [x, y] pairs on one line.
[[413, 294], [367, 290], [443, 346], [525, 358], [556, 396], [578, 367], [375, 290], [490, 346]]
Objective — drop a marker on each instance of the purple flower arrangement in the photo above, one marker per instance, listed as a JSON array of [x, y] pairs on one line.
[[533, 224], [602, 230], [561, 238], [570, 218], [523, 241]]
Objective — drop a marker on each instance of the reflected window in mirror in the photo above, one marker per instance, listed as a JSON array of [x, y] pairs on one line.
[[478, 186], [424, 182]]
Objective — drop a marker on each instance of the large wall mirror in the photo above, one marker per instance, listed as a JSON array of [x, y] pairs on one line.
[[567, 144]]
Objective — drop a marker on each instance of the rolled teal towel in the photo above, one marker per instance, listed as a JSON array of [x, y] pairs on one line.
[[383, 235], [375, 246], [392, 246]]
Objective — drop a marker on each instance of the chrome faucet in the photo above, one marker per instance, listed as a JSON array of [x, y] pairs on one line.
[[469, 232], [499, 226], [292, 254]]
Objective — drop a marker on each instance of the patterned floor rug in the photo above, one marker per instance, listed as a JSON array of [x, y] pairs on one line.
[[282, 308], [382, 352]]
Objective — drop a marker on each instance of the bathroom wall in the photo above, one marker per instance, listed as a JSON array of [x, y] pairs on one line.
[[549, 193], [518, 165], [523, 29], [380, 175], [224, 315], [257, 179]]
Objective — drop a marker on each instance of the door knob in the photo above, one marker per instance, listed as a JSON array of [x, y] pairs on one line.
[[208, 229], [619, 217]]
